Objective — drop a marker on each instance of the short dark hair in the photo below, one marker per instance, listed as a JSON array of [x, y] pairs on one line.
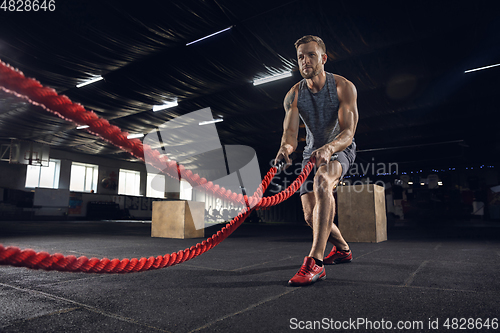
[[310, 38]]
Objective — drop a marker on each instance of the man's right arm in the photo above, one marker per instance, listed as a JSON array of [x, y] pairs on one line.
[[290, 126]]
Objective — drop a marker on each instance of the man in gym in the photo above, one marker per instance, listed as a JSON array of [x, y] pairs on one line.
[[326, 103]]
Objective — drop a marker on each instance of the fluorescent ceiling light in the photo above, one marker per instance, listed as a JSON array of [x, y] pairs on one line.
[[82, 127], [213, 121], [165, 106], [272, 78], [215, 33], [135, 136], [95, 79], [480, 68]]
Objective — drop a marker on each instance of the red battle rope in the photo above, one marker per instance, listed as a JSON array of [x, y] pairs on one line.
[[14, 82]]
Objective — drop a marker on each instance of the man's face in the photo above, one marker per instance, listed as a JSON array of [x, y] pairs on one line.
[[311, 59]]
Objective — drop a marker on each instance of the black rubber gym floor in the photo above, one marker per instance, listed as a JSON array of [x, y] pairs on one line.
[[422, 279]]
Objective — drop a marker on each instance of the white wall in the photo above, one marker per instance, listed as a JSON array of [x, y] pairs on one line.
[[13, 176]]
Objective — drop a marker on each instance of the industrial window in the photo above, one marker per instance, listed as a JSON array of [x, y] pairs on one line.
[[40, 176], [84, 177], [129, 182], [156, 186]]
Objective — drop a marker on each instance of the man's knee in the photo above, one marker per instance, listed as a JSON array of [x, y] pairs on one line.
[[326, 179]]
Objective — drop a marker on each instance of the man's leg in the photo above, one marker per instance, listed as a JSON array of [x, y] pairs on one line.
[[326, 179], [310, 211], [322, 204], [335, 237]]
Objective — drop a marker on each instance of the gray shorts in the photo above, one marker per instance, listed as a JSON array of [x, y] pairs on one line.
[[346, 159]]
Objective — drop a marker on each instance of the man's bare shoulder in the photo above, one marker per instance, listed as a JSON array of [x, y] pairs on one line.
[[294, 88], [344, 86], [342, 81], [291, 97]]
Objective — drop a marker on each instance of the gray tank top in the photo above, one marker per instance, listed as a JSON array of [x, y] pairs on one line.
[[319, 112]]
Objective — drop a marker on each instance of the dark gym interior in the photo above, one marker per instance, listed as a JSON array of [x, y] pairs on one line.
[[426, 75]]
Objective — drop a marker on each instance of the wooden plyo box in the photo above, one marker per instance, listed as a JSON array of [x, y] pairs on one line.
[[361, 213], [178, 219]]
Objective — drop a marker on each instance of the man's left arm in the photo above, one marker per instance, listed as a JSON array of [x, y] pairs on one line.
[[348, 121], [348, 115]]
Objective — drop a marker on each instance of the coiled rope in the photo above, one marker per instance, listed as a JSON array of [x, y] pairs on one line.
[[14, 82]]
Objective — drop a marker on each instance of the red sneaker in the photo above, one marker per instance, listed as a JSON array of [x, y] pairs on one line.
[[308, 273], [338, 257]]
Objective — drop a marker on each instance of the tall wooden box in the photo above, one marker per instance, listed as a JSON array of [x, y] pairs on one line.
[[361, 213], [178, 219]]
